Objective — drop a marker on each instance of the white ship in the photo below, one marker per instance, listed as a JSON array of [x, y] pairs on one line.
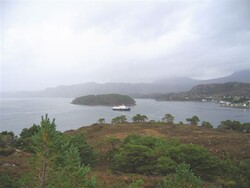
[[121, 108]]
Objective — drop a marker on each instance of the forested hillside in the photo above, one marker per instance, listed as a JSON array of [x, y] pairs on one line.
[[230, 88], [210, 91]]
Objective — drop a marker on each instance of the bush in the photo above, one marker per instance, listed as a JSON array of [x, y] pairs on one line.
[[86, 152], [7, 151], [154, 156], [202, 162], [184, 177], [7, 182], [7, 139]]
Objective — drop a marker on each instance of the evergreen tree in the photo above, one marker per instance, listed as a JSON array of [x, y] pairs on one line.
[[193, 120], [168, 118], [56, 162], [101, 121], [139, 118], [206, 124]]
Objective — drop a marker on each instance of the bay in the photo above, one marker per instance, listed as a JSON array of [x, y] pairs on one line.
[[19, 113]]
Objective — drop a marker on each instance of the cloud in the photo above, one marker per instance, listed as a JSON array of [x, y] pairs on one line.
[[49, 43]]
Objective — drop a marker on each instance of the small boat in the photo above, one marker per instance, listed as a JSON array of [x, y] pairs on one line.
[[121, 108]]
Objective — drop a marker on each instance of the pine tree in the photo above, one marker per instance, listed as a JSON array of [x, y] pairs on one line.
[[56, 162]]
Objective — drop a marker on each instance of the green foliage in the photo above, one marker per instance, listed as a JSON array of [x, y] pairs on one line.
[[144, 155], [206, 124], [137, 183], [86, 152], [7, 139], [119, 119], [101, 121], [230, 125], [7, 182], [235, 125], [229, 176], [25, 141], [155, 156], [7, 143], [203, 163], [47, 143], [193, 120], [56, 162], [245, 127], [26, 180], [244, 169], [114, 142], [7, 151], [184, 177], [181, 123], [70, 172], [139, 118], [104, 100], [169, 118]]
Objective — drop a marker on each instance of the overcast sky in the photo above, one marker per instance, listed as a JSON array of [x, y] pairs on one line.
[[46, 43]]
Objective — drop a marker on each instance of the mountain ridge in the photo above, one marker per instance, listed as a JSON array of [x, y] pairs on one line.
[[172, 85]]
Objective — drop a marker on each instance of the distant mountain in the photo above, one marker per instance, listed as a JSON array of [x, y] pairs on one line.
[[240, 76], [229, 88], [142, 90], [177, 84], [134, 90], [202, 91]]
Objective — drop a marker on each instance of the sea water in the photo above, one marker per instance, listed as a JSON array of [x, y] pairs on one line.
[[19, 113]]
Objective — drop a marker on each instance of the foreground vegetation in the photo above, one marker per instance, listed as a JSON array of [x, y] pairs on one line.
[[138, 154]]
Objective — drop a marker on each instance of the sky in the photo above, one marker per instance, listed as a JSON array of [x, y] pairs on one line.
[[46, 43]]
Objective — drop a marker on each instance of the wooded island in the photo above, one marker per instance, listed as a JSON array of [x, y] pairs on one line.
[[104, 100]]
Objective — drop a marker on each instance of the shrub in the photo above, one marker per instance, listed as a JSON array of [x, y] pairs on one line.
[[7, 151], [184, 177]]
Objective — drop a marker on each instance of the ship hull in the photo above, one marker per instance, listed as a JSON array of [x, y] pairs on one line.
[[127, 109]]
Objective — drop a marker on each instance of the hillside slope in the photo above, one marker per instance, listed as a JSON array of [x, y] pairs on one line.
[[209, 90], [230, 88]]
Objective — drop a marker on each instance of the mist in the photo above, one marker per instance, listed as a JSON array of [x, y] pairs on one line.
[[50, 43]]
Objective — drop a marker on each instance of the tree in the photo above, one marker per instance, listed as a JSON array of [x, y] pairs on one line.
[[206, 124], [86, 152], [119, 119], [193, 120], [139, 118], [230, 125], [7, 139], [25, 141], [101, 121], [47, 146], [56, 162], [202, 162], [245, 127], [168, 118], [71, 173]]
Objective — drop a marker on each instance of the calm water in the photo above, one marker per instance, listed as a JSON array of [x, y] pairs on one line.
[[16, 114]]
